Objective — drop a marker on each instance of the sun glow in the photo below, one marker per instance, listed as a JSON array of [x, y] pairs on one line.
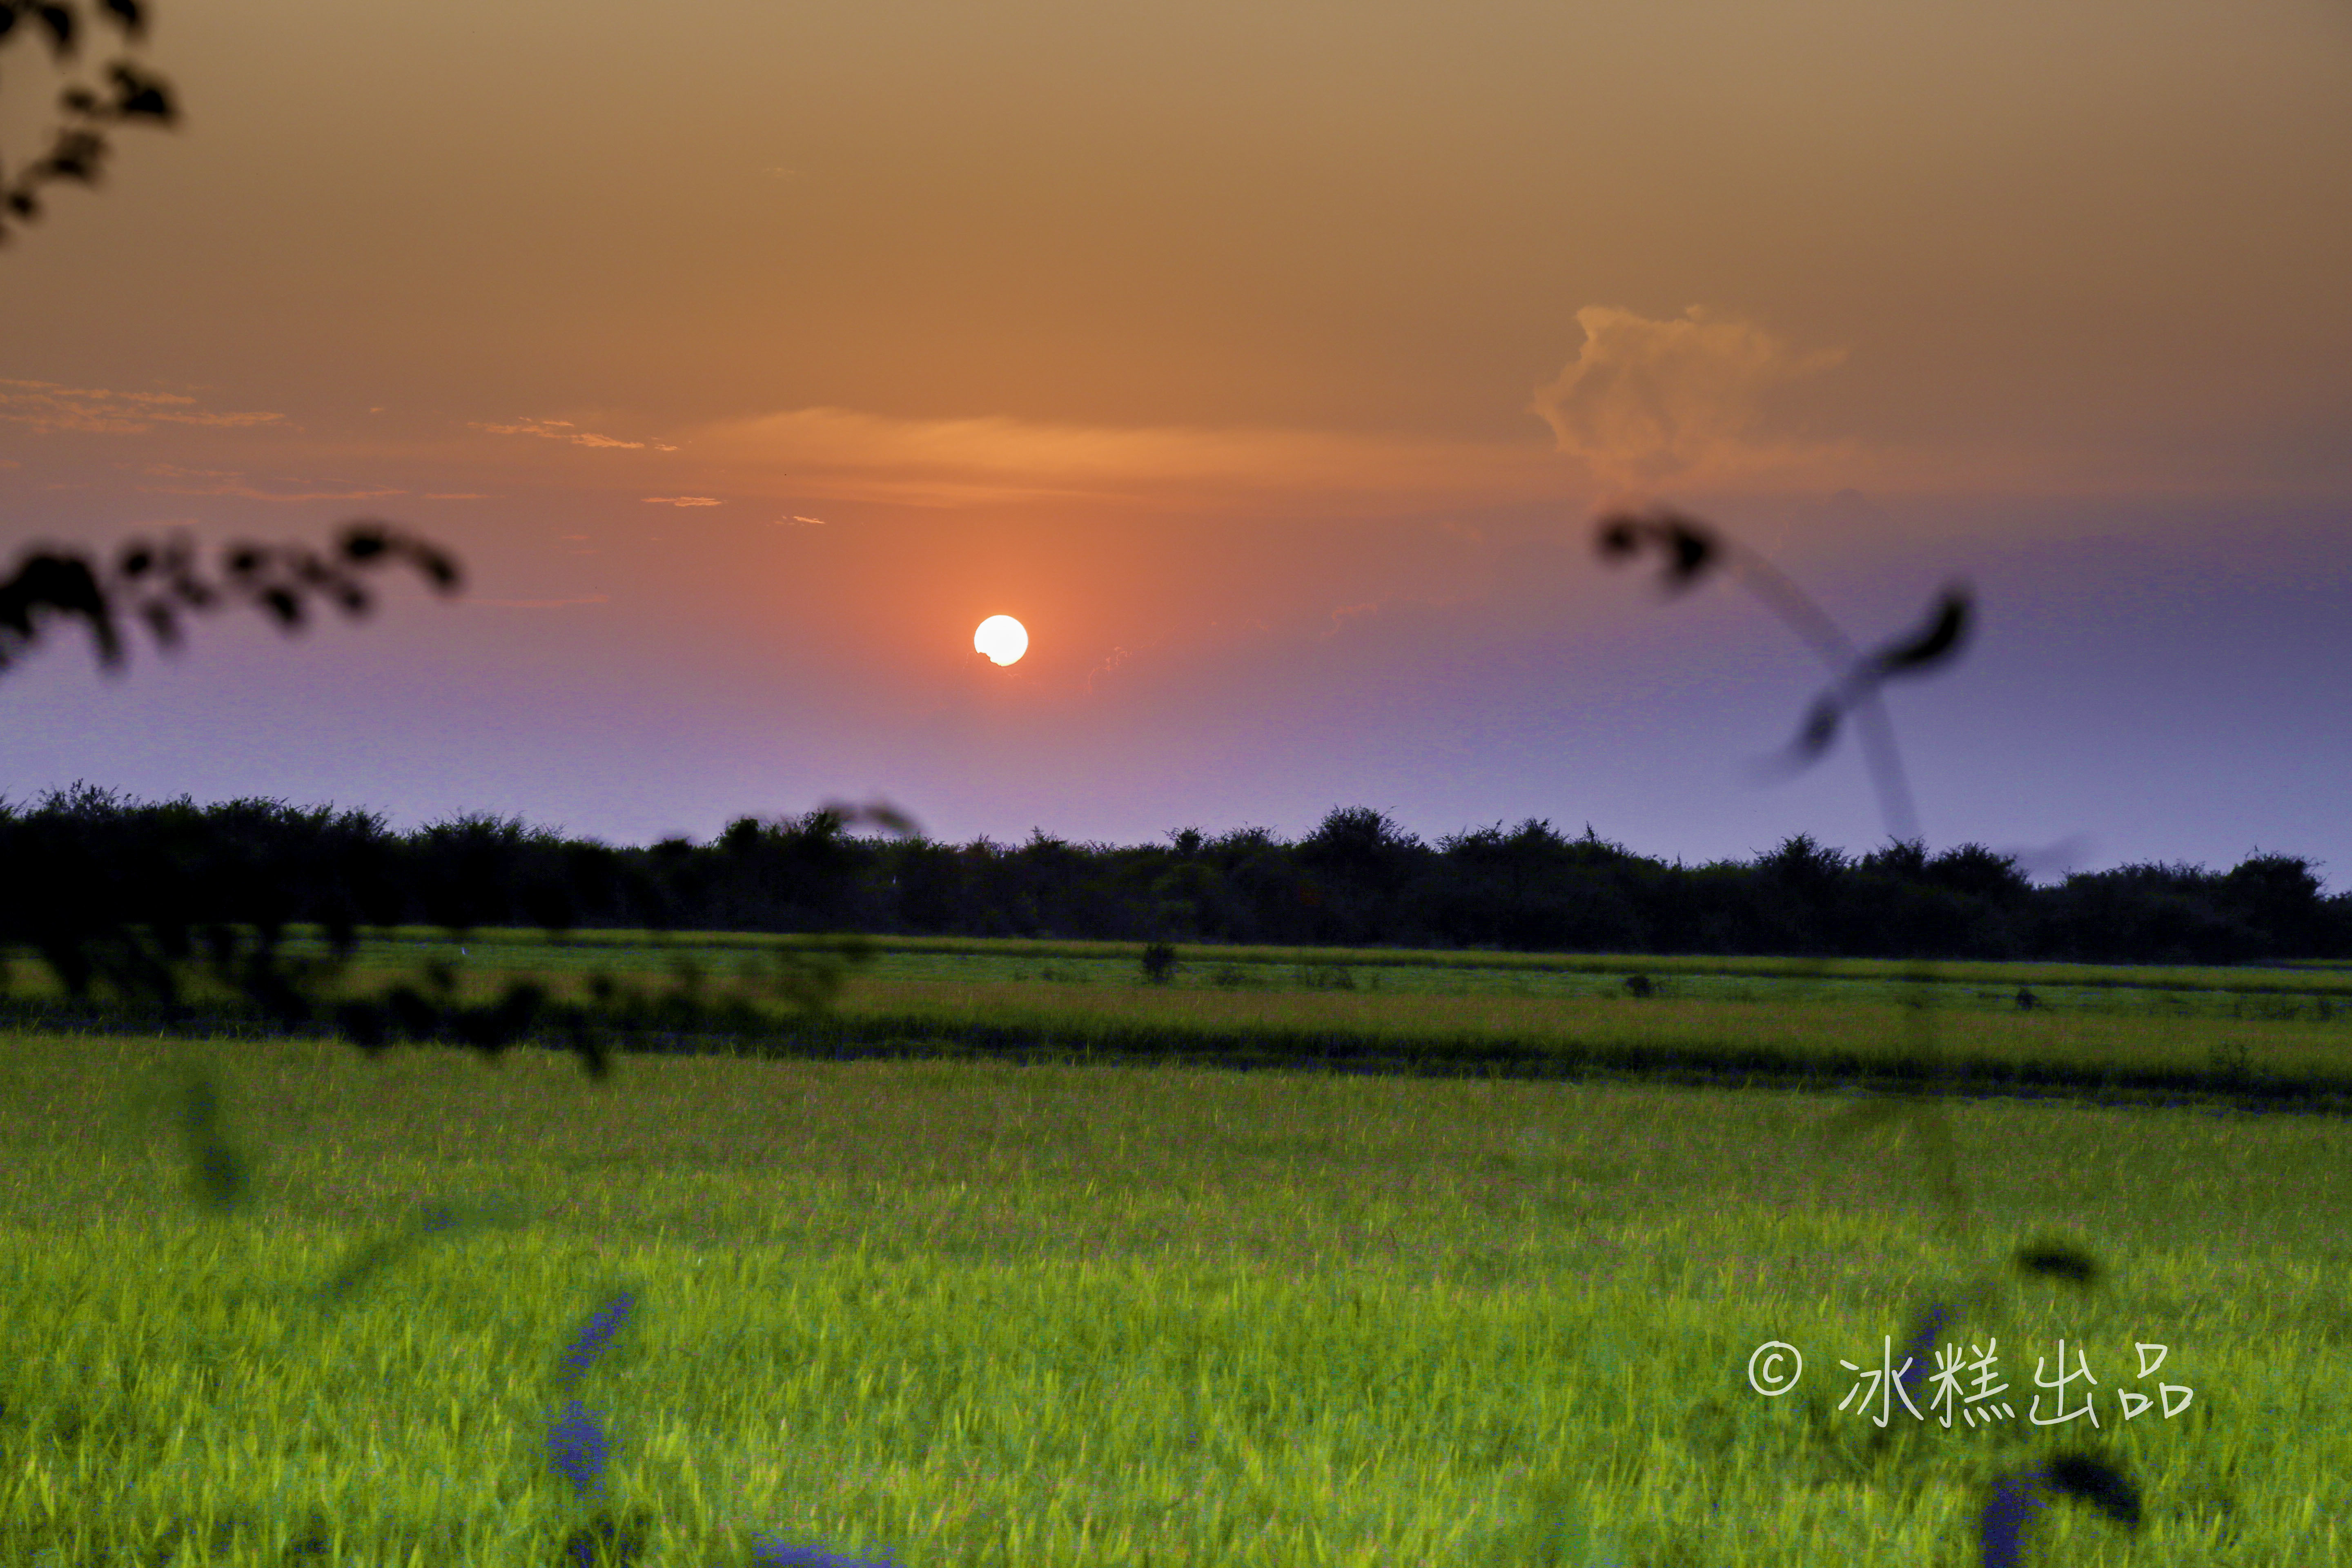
[[1001, 638]]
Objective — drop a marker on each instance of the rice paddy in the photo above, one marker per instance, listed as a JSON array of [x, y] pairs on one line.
[[2160, 1034], [973, 1312]]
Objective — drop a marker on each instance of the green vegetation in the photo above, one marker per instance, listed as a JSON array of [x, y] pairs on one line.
[[968, 1313], [2164, 1034], [652, 952]]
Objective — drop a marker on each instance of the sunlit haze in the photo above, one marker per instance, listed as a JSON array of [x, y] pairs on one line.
[[1273, 361]]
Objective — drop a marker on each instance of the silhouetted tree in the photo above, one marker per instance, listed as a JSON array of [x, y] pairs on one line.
[[2278, 897]]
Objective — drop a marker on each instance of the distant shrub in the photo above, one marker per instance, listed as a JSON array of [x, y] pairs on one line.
[[1159, 962], [1324, 977]]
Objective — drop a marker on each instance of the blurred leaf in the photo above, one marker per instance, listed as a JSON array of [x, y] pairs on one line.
[[2098, 1483], [2001, 1526], [441, 568], [220, 1176], [415, 1017], [74, 155], [369, 539], [363, 541], [61, 583], [1921, 1353], [139, 96], [365, 1024], [62, 26], [1820, 728], [595, 1338], [495, 1027], [1689, 547], [768, 1551], [2060, 1262], [1937, 643], [577, 1447], [1619, 536], [601, 1544]]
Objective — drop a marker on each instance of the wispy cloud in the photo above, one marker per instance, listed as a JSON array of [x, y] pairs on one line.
[[229, 482], [796, 520], [1342, 613], [1647, 401], [841, 454], [49, 408], [682, 501], [456, 495], [563, 430]]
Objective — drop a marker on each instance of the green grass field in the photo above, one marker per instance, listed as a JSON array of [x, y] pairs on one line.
[[965, 1313]]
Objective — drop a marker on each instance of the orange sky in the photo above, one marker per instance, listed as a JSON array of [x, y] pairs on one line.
[[2045, 243], [805, 335]]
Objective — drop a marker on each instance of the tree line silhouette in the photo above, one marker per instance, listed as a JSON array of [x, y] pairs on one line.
[[87, 860]]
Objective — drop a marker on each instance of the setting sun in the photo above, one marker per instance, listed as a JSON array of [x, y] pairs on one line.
[[1001, 638]]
